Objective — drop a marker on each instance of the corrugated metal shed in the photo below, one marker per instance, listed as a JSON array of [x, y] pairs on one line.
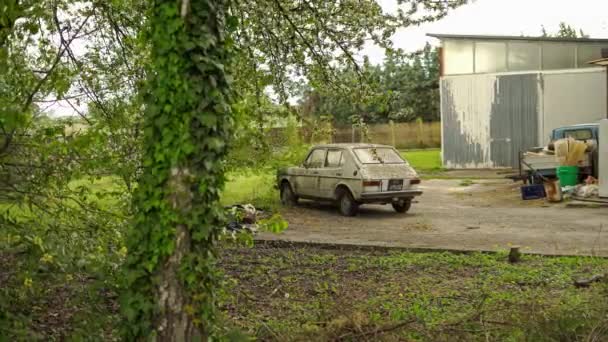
[[488, 118], [571, 98], [513, 119]]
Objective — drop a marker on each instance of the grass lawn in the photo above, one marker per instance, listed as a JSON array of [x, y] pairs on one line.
[[424, 161], [301, 293], [255, 188]]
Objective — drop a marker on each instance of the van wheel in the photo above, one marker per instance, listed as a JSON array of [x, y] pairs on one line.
[[288, 198], [346, 203], [402, 206]]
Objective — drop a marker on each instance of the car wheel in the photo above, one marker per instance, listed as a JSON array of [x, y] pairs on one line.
[[402, 206], [347, 204], [288, 198]]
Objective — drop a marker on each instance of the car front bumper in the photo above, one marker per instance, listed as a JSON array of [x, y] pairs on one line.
[[389, 195]]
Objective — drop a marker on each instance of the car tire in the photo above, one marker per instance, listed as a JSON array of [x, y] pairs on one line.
[[346, 203], [288, 198], [402, 206]]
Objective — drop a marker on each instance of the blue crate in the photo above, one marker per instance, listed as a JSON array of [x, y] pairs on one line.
[[533, 191]]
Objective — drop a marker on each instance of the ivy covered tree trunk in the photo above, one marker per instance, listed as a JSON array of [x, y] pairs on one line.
[[171, 277]]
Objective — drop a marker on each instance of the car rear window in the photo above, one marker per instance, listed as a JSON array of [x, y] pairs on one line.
[[378, 155]]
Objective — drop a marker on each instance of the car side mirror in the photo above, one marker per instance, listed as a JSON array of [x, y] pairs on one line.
[[304, 165]]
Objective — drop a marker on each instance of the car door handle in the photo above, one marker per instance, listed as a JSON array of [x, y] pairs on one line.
[[315, 172], [338, 173]]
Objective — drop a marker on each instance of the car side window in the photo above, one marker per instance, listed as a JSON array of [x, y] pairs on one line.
[[316, 159], [334, 158]]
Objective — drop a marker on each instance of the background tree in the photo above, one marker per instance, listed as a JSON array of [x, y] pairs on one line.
[[564, 31], [405, 87]]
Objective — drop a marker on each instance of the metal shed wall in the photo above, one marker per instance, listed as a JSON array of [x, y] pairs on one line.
[[465, 104], [488, 118], [571, 98]]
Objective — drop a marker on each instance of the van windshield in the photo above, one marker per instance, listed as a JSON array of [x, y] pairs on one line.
[[378, 155]]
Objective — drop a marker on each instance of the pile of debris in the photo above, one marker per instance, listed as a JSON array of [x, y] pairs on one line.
[[588, 189], [243, 218], [555, 170]]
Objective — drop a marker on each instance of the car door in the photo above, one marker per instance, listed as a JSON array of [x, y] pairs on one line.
[[307, 182], [331, 174]]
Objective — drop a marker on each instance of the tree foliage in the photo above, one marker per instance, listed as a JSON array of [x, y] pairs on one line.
[[65, 183], [403, 88], [565, 31], [285, 40]]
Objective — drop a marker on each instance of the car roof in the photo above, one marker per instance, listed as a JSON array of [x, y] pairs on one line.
[[579, 126], [350, 145]]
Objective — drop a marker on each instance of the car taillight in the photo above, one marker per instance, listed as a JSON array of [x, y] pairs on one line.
[[415, 181], [371, 183]]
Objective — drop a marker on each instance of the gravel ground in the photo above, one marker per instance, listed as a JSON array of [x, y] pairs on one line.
[[487, 215]]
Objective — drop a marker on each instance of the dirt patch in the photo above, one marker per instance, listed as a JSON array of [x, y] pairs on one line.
[[489, 193]]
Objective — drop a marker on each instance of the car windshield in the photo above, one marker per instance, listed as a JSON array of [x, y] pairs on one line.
[[579, 134], [378, 155]]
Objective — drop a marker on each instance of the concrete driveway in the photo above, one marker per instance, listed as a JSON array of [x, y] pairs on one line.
[[487, 215]]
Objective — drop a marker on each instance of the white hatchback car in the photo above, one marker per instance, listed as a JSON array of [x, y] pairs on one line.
[[351, 174]]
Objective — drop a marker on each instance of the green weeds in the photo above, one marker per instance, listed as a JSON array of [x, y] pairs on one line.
[[344, 295]]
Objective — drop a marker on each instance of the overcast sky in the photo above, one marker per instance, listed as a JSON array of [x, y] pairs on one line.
[[503, 17]]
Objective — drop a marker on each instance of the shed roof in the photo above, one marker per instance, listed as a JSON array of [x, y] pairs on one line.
[[490, 37]]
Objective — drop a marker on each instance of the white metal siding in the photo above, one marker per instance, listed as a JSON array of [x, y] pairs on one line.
[[466, 104], [603, 158], [477, 114], [571, 98], [488, 119]]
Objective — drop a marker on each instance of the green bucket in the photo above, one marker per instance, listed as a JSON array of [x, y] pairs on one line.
[[568, 175]]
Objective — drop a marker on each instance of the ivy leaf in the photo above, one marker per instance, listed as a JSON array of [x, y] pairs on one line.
[[215, 144]]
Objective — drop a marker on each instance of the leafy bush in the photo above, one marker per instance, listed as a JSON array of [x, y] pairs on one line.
[[62, 220]]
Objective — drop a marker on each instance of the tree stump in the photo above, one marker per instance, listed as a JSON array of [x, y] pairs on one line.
[[514, 254]]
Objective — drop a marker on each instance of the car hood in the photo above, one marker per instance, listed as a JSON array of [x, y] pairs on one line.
[[388, 171]]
